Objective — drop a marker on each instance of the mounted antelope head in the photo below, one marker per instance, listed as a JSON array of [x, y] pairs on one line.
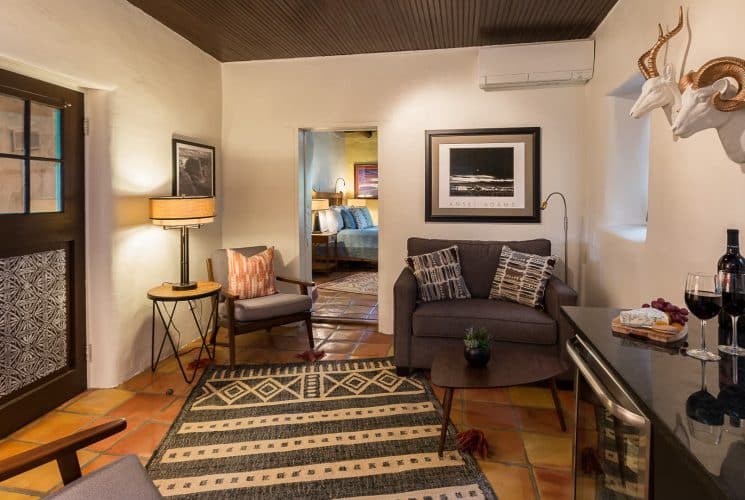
[[658, 91], [714, 97]]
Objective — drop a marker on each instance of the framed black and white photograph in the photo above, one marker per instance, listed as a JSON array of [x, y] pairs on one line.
[[483, 175], [193, 169]]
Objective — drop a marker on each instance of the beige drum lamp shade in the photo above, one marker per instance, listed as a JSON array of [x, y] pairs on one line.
[[182, 210], [319, 204]]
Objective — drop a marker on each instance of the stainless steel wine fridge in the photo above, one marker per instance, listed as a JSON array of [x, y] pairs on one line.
[[611, 455]]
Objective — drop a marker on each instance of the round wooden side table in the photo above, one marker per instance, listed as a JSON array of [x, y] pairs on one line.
[[164, 295]]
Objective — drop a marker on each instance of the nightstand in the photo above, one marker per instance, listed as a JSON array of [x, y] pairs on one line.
[[324, 262]]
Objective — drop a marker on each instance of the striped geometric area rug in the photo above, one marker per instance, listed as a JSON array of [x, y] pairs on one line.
[[330, 429]]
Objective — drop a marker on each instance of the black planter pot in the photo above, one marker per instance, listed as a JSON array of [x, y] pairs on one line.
[[477, 358]]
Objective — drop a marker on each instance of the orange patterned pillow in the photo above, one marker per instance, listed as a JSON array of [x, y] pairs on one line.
[[250, 277]]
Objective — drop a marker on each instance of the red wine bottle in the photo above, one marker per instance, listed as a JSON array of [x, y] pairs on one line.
[[731, 262]]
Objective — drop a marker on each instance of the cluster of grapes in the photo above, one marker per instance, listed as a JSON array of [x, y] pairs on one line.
[[675, 313]]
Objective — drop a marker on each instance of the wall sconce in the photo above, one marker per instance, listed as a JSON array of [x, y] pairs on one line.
[[341, 184]]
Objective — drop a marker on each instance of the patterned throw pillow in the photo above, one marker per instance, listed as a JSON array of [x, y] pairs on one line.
[[368, 216], [522, 277], [348, 218], [438, 275], [250, 277], [359, 218]]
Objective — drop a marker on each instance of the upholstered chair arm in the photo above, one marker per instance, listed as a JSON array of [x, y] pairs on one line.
[[559, 294], [304, 285], [62, 450], [404, 300]]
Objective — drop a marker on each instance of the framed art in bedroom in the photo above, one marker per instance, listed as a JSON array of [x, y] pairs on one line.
[[366, 180], [193, 169], [483, 175]]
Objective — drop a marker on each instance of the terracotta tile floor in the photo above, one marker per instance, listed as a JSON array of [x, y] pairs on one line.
[[529, 456], [332, 305]]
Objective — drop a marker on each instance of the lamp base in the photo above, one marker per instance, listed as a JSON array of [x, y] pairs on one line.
[[177, 287]]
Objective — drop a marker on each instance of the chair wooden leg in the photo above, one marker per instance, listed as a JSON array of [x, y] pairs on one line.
[[69, 467], [557, 404], [309, 330]]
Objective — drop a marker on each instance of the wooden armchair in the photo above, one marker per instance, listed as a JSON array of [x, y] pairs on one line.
[[239, 316], [120, 480]]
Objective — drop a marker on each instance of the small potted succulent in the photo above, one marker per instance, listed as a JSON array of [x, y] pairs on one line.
[[477, 350]]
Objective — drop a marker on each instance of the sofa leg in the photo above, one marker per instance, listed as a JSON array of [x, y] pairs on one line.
[[402, 371], [557, 404]]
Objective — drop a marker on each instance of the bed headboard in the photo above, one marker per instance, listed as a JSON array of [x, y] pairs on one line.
[[334, 198]]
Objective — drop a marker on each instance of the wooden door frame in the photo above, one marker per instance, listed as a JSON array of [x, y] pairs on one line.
[[50, 231]]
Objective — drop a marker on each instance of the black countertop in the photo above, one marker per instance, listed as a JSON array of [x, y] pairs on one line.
[[662, 381]]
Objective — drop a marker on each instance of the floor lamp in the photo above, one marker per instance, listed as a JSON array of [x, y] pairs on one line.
[[184, 213], [544, 206]]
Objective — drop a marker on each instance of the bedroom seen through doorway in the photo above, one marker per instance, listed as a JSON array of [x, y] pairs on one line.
[[340, 198]]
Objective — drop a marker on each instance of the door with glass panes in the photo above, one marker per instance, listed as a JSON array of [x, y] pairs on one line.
[[42, 248]]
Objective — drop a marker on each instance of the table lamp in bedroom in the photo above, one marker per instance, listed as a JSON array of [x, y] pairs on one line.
[[316, 205]]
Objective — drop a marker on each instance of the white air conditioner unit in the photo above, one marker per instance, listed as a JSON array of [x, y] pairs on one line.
[[536, 64]]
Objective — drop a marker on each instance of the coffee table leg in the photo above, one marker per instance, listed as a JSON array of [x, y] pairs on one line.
[[447, 403], [557, 404]]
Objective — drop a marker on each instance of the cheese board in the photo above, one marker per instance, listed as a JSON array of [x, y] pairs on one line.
[[665, 334]]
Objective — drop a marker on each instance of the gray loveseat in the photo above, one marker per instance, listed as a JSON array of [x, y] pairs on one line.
[[421, 330]]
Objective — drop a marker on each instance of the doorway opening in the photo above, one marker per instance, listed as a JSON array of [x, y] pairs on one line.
[[339, 233]]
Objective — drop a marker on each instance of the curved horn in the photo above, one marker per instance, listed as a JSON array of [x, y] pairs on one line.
[[662, 40], [642, 65], [717, 69], [686, 81]]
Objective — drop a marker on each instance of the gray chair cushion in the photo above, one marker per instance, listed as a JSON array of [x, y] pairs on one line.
[[124, 479], [505, 321], [271, 306], [220, 262], [478, 259]]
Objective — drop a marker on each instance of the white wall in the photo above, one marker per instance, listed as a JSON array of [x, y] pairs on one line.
[[403, 94], [155, 85], [326, 152], [695, 191]]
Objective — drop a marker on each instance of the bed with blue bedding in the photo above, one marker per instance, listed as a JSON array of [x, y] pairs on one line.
[[358, 244]]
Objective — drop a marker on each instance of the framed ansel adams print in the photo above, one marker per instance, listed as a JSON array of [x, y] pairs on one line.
[[483, 175], [193, 169]]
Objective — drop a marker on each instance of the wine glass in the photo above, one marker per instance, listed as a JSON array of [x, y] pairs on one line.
[[705, 413], [733, 303], [703, 297]]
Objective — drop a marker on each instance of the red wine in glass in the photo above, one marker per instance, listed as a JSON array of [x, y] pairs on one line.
[[704, 305], [733, 303], [703, 296]]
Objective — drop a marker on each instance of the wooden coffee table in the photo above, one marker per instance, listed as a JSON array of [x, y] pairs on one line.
[[508, 366]]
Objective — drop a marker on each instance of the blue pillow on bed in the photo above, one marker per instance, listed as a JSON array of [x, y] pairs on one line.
[[347, 217], [359, 217], [366, 212]]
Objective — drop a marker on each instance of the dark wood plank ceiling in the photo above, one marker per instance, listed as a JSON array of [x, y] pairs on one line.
[[245, 30]]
